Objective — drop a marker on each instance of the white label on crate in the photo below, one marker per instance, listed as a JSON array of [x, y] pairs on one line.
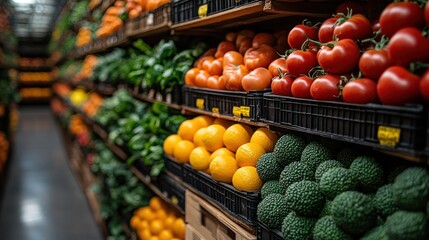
[[149, 20]]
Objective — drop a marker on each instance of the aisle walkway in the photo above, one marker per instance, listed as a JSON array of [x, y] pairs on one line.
[[41, 199]]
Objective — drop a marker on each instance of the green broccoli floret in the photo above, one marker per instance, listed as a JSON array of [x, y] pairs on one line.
[[326, 211], [411, 189], [288, 149], [272, 210], [377, 233], [368, 173], [354, 212], [297, 227], [335, 181], [407, 225], [270, 187], [326, 229], [305, 198], [314, 154], [294, 172], [384, 201], [268, 168], [346, 156], [324, 167]]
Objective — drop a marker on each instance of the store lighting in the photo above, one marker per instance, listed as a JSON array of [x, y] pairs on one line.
[[23, 1]]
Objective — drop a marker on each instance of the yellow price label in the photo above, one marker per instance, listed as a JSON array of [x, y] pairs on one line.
[[202, 10], [175, 200], [200, 103], [388, 136], [215, 110], [236, 111], [245, 111]]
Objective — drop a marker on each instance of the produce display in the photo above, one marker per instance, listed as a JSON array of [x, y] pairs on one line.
[[135, 8], [32, 62], [79, 130], [4, 149], [111, 21], [35, 77], [316, 190], [158, 220], [35, 93]]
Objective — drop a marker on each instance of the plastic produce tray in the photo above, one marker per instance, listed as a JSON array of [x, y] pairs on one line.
[[266, 233], [229, 103], [238, 203], [174, 167], [386, 127], [149, 20]]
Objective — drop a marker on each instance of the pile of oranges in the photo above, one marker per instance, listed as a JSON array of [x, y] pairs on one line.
[[91, 106], [158, 222], [227, 151]]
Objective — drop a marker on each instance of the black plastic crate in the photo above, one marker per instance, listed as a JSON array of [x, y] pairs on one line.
[[174, 190], [387, 127], [183, 11], [173, 167], [238, 203], [228, 103], [266, 233]]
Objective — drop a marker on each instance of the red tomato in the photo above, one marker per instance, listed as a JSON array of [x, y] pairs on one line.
[[300, 62], [360, 91], [373, 63], [242, 35], [233, 74], [424, 85], [201, 79], [216, 82], [279, 63], [231, 36], [326, 88], [259, 57], [245, 44], [282, 85], [223, 48], [213, 66], [326, 30], [342, 58], [263, 38], [257, 80], [301, 87], [281, 37], [298, 35], [357, 27], [397, 86], [398, 15], [232, 57], [354, 6], [408, 45], [427, 13]]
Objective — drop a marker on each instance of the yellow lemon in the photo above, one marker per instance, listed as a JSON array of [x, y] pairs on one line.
[[170, 142], [182, 151], [199, 159], [221, 151], [247, 179], [222, 168], [265, 138], [188, 128], [237, 135], [213, 137], [248, 154]]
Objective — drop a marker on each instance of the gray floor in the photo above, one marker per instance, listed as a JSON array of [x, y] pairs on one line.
[[41, 199]]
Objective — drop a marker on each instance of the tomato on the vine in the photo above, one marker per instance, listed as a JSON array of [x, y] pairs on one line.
[[299, 34], [301, 62], [258, 80], [326, 30], [279, 63], [398, 15], [259, 57], [397, 86], [301, 87], [357, 27], [360, 91], [427, 13], [282, 85], [223, 48], [408, 45], [341, 58], [424, 86], [326, 88], [374, 62]]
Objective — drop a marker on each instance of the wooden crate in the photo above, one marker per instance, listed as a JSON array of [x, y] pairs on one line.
[[207, 222]]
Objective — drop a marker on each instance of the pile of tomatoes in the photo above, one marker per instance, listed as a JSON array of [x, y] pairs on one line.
[[347, 58]]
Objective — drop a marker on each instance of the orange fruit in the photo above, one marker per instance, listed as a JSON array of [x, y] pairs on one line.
[[222, 168], [169, 221], [204, 120], [165, 235], [188, 128], [179, 228], [265, 138], [198, 137], [213, 137], [247, 179], [248, 154], [170, 142], [156, 227], [146, 214], [199, 159], [225, 123], [221, 151], [237, 135], [154, 238], [161, 214], [156, 203], [182, 151], [143, 225], [144, 234], [134, 222]]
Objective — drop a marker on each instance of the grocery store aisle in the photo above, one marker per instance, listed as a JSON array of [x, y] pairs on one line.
[[41, 199]]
